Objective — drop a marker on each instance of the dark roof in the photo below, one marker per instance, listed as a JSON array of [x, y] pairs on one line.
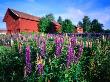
[[24, 15], [56, 23]]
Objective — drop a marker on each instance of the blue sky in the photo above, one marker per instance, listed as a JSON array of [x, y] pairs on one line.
[[72, 9]]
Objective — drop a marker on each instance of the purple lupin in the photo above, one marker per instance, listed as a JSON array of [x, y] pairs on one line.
[[28, 60], [40, 66], [70, 55], [73, 41], [78, 55], [58, 46]]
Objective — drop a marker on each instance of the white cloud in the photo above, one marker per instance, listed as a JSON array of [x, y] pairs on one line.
[[72, 13], [103, 16], [76, 15]]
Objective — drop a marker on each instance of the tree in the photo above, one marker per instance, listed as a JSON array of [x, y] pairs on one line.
[[60, 20], [96, 26], [50, 17], [45, 24], [86, 24], [107, 31], [80, 24], [67, 26]]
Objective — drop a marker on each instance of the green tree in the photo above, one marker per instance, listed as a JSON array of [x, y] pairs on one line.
[[80, 24], [45, 23], [50, 17], [107, 31], [67, 26], [96, 26], [50, 27], [60, 21], [86, 24]]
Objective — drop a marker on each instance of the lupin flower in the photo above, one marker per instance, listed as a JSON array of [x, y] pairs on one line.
[[78, 55], [58, 43], [28, 60], [70, 55], [40, 66], [73, 41], [42, 47], [35, 37]]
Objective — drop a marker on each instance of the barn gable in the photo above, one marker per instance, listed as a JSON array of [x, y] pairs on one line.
[[17, 14]]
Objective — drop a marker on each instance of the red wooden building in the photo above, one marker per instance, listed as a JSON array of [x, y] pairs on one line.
[[20, 22], [17, 21], [78, 29]]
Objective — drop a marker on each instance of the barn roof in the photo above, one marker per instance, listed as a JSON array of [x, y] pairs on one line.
[[24, 15], [56, 23]]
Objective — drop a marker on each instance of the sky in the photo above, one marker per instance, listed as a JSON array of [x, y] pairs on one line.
[[74, 10]]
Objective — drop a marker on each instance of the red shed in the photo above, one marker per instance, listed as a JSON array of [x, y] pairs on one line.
[[57, 26], [78, 29], [20, 22]]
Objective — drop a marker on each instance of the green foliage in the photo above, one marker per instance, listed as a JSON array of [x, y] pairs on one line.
[[86, 24], [11, 66], [50, 17], [80, 24], [107, 31], [93, 65], [96, 26], [60, 21], [67, 26], [44, 24]]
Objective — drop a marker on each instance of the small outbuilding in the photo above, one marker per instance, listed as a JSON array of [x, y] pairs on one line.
[[78, 29]]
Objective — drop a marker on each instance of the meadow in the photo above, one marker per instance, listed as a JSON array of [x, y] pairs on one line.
[[39, 57]]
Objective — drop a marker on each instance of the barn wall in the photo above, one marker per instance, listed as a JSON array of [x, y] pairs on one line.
[[28, 25], [57, 27], [11, 24], [79, 30]]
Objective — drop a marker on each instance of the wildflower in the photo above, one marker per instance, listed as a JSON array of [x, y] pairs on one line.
[[78, 55], [58, 43], [42, 46], [35, 37], [73, 41], [40, 65], [70, 55], [40, 68], [28, 60], [87, 44], [43, 49]]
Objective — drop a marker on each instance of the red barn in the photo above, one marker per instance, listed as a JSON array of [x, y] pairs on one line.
[[17, 21], [78, 29], [57, 26], [20, 22]]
